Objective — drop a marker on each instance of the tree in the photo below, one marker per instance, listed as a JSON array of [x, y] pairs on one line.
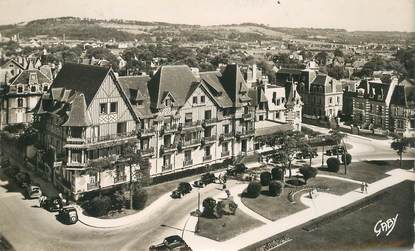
[[139, 198], [29, 136], [307, 150], [338, 53], [347, 157], [337, 72], [226, 207], [337, 137], [99, 206], [277, 173], [399, 144], [308, 172], [290, 143], [209, 205], [103, 53], [321, 58]]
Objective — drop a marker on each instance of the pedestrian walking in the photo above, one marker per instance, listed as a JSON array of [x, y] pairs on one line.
[[366, 186], [362, 187]]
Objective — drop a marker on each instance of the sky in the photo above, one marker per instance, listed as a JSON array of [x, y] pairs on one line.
[[376, 15]]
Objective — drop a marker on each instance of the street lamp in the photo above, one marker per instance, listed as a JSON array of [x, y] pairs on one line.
[[322, 153]]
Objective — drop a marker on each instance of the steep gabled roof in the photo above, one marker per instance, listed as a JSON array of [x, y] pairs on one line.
[[6, 65], [77, 114], [234, 84], [83, 78], [23, 77], [212, 82], [135, 88], [404, 94], [175, 79]]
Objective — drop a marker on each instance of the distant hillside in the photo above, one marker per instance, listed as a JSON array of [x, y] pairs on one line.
[[127, 30]]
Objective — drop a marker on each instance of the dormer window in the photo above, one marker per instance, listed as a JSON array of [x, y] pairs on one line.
[[167, 102], [20, 102], [45, 88], [140, 102], [194, 100], [202, 99], [33, 88]]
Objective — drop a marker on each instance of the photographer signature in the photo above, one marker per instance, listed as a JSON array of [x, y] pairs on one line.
[[386, 226]]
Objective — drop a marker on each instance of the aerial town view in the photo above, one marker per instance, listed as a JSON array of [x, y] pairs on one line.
[[207, 125]]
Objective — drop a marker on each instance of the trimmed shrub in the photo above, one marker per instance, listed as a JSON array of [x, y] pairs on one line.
[[139, 199], [333, 164], [209, 205], [308, 172], [265, 178], [277, 173], [118, 200], [275, 187], [348, 158], [226, 207], [254, 189], [99, 206]]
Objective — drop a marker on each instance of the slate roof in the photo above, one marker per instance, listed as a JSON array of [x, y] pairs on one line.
[[174, 79], [234, 84], [77, 114], [136, 89], [212, 81], [23, 77], [83, 78], [404, 94]]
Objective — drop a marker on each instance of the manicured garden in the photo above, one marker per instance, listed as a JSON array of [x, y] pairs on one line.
[[369, 171], [226, 227], [354, 229]]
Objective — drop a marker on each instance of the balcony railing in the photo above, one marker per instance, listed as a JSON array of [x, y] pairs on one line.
[[167, 128], [91, 186], [191, 124], [188, 162], [167, 148], [75, 141], [247, 116], [147, 151], [207, 157], [110, 137], [208, 139], [166, 167], [146, 131], [191, 142], [224, 154], [209, 121], [119, 179], [245, 133]]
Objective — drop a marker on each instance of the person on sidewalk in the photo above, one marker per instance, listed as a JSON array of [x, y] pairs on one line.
[[366, 186], [362, 187]]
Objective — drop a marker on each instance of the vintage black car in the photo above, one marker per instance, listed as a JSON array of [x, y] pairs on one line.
[[68, 215], [184, 188], [52, 204], [208, 178], [198, 183], [33, 191], [176, 194], [337, 150], [173, 242]]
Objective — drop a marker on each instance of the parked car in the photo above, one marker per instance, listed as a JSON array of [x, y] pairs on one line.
[[176, 194], [173, 242], [301, 155], [208, 178], [237, 169], [33, 191], [68, 215], [52, 204], [23, 179], [198, 183], [184, 188]]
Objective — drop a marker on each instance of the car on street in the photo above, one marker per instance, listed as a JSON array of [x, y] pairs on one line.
[[173, 242], [184, 188], [33, 191], [337, 150], [176, 194], [198, 183], [68, 215], [208, 178], [52, 204]]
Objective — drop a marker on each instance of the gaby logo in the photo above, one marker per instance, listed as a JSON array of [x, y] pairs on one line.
[[385, 226]]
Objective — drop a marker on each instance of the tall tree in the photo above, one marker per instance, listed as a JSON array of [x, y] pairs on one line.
[[400, 144]]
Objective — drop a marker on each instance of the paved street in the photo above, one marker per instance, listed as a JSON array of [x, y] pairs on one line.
[[28, 227]]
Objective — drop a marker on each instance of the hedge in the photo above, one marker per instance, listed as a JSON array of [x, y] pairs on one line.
[[190, 172], [265, 178], [277, 173], [333, 164], [254, 189], [275, 187], [99, 206], [348, 158], [139, 199]]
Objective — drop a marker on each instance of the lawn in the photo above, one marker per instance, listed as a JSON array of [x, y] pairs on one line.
[[354, 230], [226, 227], [369, 171], [274, 208]]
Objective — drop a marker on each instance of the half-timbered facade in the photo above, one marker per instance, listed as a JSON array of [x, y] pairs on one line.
[[86, 121]]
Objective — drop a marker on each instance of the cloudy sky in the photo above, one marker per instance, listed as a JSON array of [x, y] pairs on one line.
[[378, 15]]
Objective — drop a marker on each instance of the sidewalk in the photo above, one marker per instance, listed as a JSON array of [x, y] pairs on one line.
[[316, 209]]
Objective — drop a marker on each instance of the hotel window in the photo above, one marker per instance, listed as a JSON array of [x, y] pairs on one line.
[[121, 127], [33, 88], [207, 151], [338, 100], [19, 89], [113, 107], [226, 128], [202, 99], [331, 100], [194, 100], [225, 147], [103, 108], [208, 114], [278, 101], [188, 155], [19, 102], [274, 97], [75, 157], [188, 117]]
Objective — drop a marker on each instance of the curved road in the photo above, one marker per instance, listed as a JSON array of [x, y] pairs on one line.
[[28, 227]]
